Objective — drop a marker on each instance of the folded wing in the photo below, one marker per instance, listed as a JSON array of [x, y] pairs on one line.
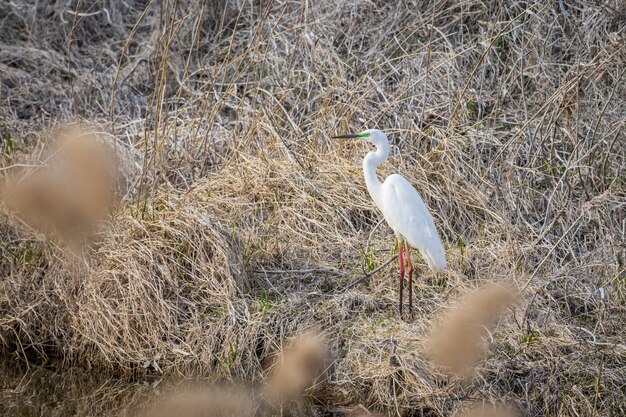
[[408, 216]]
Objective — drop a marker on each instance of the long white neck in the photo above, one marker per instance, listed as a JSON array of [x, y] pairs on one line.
[[370, 163]]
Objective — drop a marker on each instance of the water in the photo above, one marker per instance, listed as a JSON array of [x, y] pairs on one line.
[[35, 391]]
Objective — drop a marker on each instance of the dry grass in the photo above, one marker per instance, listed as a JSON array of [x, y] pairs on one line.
[[69, 191], [240, 222], [296, 369], [459, 338], [490, 410]]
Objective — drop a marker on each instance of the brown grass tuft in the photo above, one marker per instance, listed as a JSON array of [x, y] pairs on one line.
[[153, 284], [296, 368], [458, 340], [490, 410], [143, 298], [69, 191]]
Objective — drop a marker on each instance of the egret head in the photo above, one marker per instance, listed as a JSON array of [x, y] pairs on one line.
[[373, 136]]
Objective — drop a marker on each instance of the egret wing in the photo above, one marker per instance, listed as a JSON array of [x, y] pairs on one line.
[[407, 215]]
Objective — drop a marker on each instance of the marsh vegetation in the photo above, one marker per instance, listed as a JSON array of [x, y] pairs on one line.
[[231, 225]]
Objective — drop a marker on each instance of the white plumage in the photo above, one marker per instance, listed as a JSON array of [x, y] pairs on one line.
[[408, 217], [403, 209]]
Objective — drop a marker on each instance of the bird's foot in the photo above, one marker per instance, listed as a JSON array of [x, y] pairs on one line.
[[407, 316], [410, 316]]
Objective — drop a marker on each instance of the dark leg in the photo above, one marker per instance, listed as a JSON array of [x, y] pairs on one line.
[[400, 249], [409, 272]]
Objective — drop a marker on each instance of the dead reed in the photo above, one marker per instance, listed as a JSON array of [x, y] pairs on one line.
[[460, 337], [296, 368], [240, 222], [68, 191], [490, 410]]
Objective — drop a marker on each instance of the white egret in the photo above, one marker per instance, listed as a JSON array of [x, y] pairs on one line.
[[403, 209]]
